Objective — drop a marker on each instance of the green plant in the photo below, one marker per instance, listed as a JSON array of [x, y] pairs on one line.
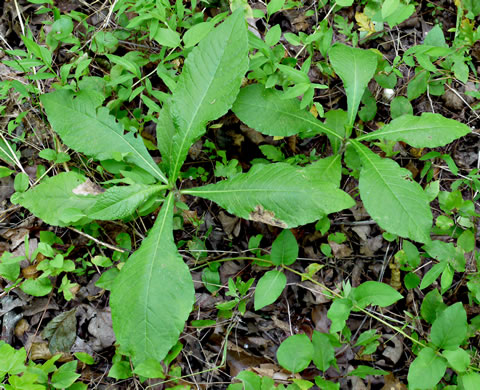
[[152, 295], [38, 376]]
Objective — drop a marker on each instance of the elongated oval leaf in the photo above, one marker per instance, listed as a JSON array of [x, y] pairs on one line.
[[284, 249], [376, 293], [356, 68], [265, 111], [120, 202], [277, 194], [208, 85], [94, 132], [54, 196], [269, 288], [153, 294], [399, 205], [426, 131]]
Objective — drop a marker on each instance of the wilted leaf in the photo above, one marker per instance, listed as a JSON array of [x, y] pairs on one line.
[[61, 332]]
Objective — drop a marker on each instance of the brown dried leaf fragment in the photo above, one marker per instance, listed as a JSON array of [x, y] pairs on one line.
[[259, 214]]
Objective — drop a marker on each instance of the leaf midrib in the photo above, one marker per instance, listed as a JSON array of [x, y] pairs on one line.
[[120, 136], [186, 134], [316, 123], [153, 261], [388, 187]]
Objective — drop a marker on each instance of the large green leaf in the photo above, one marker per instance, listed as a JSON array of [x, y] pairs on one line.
[[295, 353], [120, 202], [264, 110], [277, 194], [426, 370], [93, 131], [208, 85], [426, 131], [375, 293], [398, 204], [450, 328], [356, 68], [153, 294], [54, 198]]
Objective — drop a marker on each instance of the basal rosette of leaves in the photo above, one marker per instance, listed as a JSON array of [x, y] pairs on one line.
[[153, 295]]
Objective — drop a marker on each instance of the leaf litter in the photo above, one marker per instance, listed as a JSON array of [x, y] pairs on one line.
[[296, 311]]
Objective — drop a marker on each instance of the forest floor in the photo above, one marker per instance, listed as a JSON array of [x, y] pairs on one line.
[[354, 250]]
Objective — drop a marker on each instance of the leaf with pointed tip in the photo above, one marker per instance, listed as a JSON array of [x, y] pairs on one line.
[[153, 294], [61, 332], [426, 131], [54, 196], [208, 85], [120, 202], [426, 370], [94, 131], [399, 205], [277, 194], [356, 68], [269, 288], [267, 112]]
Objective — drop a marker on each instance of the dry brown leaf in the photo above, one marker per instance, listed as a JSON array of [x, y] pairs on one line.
[[340, 250], [393, 353], [392, 383], [231, 225]]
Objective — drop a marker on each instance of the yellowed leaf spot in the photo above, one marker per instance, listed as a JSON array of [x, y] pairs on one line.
[[259, 214], [364, 22], [88, 188]]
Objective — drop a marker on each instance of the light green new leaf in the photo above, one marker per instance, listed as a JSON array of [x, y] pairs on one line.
[[153, 294], [269, 288], [54, 196], [208, 85], [398, 205], [376, 293], [277, 194], [450, 328], [94, 132], [120, 202], [265, 111], [356, 68], [426, 131], [426, 370]]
